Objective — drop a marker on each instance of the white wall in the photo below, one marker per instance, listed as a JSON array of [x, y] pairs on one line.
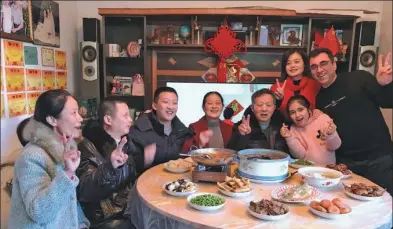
[[385, 46]]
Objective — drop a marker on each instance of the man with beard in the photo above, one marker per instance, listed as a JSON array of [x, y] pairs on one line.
[[261, 128], [353, 100], [106, 171], [159, 135]]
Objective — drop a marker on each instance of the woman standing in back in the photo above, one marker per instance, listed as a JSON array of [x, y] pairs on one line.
[[295, 80], [44, 183]]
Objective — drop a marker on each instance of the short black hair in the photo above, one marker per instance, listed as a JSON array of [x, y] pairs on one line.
[[19, 131], [263, 91], [50, 103], [107, 107], [228, 113], [161, 90], [318, 51], [211, 93], [284, 60]]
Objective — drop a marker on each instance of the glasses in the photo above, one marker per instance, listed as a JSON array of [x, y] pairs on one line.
[[322, 65]]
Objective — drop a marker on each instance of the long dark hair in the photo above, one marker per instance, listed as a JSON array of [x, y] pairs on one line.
[[284, 60], [50, 103]]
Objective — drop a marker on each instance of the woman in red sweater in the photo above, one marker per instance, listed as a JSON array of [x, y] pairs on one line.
[[295, 80], [210, 128]]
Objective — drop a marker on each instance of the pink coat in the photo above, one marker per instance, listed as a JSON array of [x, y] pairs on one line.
[[304, 143]]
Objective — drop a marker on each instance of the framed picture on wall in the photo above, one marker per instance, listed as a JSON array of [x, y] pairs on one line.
[[15, 20], [291, 35], [46, 22], [48, 57]]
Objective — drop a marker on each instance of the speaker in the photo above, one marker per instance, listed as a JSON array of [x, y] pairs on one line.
[[363, 46], [367, 58], [91, 30], [90, 63]]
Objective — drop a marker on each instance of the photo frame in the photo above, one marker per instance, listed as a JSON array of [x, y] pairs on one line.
[[47, 57], [45, 22], [292, 35], [16, 20]]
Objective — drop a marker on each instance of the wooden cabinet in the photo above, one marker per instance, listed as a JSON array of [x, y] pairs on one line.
[[167, 56]]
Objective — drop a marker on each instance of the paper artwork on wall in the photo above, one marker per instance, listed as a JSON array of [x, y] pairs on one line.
[[15, 78], [31, 100], [48, 79], [13, 53], [31, 55], [16, 104], [61, 60], [33, 80], [61, 80], [48, 57], [2, 107]]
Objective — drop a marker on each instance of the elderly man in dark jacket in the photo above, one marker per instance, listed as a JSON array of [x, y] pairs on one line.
[[159, 135], [260, 126], [106, 172]]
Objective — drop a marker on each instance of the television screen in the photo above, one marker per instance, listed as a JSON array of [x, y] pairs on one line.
[[238, 96]]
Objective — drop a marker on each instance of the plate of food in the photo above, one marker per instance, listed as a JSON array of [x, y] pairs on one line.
[[296, 193], [333, 209], [178, 166], [362, 191], [341, 168], [235, 187], [268, 209], [300, 163], [206, 201], [180, 187]]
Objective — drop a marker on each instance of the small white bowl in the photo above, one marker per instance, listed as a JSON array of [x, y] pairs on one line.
[[204, 208], [359, 197], [177, 170], [266, 217], [234, 194], [329, 215], [179, 193], [310, 179]]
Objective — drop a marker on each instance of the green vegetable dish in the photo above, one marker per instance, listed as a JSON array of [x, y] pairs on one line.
[[207, 200], [302, 162]]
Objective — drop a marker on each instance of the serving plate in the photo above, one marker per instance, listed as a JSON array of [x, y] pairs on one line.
[[276, 194], [177, 170], [267, 217], [179, 194], [329, 215], [296, 166], [235, 194], [204, 208], [359, 197]]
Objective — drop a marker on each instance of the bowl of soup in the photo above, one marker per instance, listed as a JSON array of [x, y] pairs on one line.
[[320, 177], [263, 164]]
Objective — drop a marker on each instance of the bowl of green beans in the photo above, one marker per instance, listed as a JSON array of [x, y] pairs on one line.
[[204, 201]]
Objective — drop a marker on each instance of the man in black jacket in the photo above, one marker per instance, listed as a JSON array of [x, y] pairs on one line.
[[353, 100], [106, 171], [259, 128], [159, 135]]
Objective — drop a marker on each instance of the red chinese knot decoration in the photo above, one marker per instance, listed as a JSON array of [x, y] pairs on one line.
[[224, 44]]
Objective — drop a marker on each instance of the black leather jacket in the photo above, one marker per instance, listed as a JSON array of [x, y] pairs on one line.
[[103, 190]]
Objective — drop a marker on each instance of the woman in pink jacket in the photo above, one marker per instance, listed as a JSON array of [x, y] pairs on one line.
[[313, 135]]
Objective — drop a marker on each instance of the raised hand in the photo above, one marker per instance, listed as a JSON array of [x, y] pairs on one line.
[[384, 74], [329, 129], [71, 157], [279, 93], [118, 157], [150, 153], [245, 127], [284, 131], [204, 137]]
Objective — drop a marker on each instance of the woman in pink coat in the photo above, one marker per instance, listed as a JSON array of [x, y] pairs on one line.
[[313, 135]]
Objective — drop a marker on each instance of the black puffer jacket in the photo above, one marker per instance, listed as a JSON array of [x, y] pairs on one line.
[[256, 138], [103, 190], [148, 130]]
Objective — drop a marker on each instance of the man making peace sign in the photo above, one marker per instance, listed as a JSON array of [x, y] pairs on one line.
[[353, 100]]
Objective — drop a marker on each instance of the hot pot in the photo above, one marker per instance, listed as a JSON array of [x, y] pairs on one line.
[[263, 164]]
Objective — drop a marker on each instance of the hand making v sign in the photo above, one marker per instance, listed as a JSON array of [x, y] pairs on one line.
[[71, 156], [279, 93], [118, 157], [245, 127], [384, 74]]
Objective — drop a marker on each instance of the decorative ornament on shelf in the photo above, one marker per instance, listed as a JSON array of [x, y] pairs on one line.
[[224, 44]]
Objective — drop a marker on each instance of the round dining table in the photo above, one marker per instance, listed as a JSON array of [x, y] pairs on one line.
[[151, 207]]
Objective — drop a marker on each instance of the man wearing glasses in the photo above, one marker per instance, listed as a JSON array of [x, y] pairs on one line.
[[261, 128], [353, 100]]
